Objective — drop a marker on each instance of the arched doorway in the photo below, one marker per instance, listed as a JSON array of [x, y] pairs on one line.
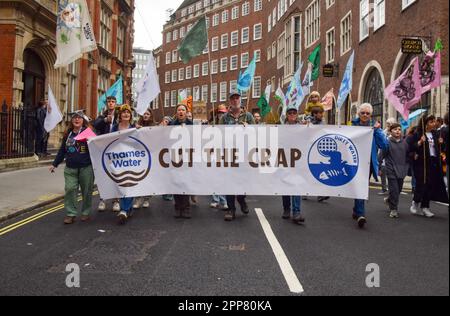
[[374, 93], [33, 79]]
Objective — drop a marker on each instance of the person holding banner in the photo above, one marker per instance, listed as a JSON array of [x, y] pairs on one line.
[[380, 141], [145, 120], [297, 218], [236, 116], [125, 122], [182, 206], [103, 125], [78, 171], [427, 145]]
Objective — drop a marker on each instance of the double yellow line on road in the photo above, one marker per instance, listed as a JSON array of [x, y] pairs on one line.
[[33, 218]]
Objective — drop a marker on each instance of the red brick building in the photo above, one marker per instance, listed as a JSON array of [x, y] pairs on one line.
[[28, 32], [291, 29]]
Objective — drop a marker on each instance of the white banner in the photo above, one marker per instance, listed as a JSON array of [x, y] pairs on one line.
[[253, 160]]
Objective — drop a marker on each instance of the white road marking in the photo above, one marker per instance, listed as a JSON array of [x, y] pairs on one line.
[[442, 204], [286, 268]]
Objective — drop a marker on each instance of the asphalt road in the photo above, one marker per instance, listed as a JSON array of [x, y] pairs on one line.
[[156, 254]]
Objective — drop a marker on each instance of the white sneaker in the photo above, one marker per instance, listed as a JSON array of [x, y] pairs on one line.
[[223, 207], [415, 210], [427, 213], [101, 206], [137, 203], [123, 217], [394, 214], [116, 207], [146, 204], [214, 205]]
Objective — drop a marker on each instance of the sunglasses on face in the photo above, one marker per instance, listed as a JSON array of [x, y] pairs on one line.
[[365, 113]]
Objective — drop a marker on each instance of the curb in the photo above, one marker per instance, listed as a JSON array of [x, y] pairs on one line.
[[31, 208]]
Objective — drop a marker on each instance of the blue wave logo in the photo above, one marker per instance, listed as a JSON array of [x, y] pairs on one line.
[[127, 162], [333, 160]]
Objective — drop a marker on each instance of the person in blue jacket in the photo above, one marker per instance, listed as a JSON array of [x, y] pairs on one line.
[[380, 141]]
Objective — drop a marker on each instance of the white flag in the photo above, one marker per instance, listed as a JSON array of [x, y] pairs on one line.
[[150, 87], [74, 32], [54, 115], [268, 92]]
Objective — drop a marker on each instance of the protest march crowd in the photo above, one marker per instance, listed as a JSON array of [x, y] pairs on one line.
[[421, 153]]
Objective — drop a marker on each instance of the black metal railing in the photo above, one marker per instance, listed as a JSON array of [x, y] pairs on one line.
[[17, 132]]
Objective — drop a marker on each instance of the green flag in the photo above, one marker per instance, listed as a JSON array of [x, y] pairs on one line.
[[195, 41], [314, 59], [264, 106], [439, 46]]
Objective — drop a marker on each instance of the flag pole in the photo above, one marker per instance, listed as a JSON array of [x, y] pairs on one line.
[[210, 74]]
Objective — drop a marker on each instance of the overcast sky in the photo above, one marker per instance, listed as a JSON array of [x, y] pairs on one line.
[[151, 15]]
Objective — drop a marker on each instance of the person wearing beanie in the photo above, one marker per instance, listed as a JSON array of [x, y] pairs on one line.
[[314, 100]]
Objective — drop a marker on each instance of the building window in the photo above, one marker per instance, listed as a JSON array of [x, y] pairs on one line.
[[292, 45], [182, 32], [167, 99], [215, 20], [181, 74], [174, 56], [379, 14], [364, 19], [175, 35], [257, 55], [224, 41], [168, 58], [407, 3], [331, 44], [215, 44], [312, 23], [257, 87], [329, 3], [244, 60], [346, 34], [235, 13], [188, 72], [234, 38], [214, 67], [223, 91], [205, 93], [225, 16], [196, 71], [245, 35], [234, 62], [174, 75], [105, 28], [224, 64], [196, 96], [246, 9], [167, 77], [120, 43], [281, 51], [233, 85], [168, 37], [258, 5], [214, 92], [72, 84], [173, 98], [205, 68], [257, 32], [269, 23]]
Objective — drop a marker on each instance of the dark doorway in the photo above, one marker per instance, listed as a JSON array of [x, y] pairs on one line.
[[33, 80], [374, 94]]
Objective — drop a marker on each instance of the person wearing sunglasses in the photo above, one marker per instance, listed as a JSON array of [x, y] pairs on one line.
[[380, 141]]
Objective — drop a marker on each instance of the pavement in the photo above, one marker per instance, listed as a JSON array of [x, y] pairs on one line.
[[256, 255], [25, 190]]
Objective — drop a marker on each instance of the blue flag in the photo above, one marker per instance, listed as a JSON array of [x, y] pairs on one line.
[[246, 79], [116, 90], [347, 82], [412, 117]]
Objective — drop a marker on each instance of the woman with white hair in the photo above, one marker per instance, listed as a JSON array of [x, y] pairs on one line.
[[380, 141]]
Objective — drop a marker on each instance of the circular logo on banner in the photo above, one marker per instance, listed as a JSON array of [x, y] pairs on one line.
[[333, 160], [127, 162]]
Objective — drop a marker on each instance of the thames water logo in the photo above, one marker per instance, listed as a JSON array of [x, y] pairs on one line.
[[127, 162], [333, 160]]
